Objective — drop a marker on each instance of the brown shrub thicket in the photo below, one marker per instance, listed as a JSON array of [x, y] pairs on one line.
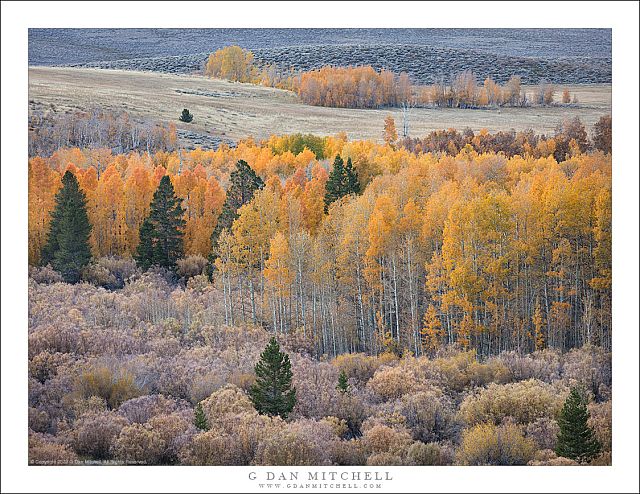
[[45, 450], [138, 445], [488, 444], [523, 401], [116, 375]]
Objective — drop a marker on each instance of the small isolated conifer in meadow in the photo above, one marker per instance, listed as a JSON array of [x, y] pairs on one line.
[[576, 440], [186, 116], [272, 393], [67, 248]]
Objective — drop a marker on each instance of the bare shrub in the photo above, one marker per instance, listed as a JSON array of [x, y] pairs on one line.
[[544, 432], [457, 371], [384, 439], [358, 366], [142, 409], [384, 459], [604, 460], [390, 383], [429, 415], [589, 367], [94, 434], [45, 365], [212, 447], [431, 454], [191, 266], [600, 422], [545, 365], [44, 451], [110, 272], [227, 400], [487, 444], [350, 453], [547, 457], [304, 442], [315, 384], [525, 401], [45, 275], [139, 445], [39, 420], [115, 387], [353, 409], [176, 430]]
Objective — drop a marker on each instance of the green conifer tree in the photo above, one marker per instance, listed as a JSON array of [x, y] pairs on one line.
[[335, 183], [343, 384], [200, 419], [67, 248], [272, 393], [576, 440], [161, 232], [144, 251], [353, 184], [244, 183], [342, 181], [186, 116]]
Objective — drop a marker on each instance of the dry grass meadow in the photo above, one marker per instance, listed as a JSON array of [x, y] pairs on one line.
[[235, 110]]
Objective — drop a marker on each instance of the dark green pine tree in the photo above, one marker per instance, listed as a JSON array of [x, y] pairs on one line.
[[200, 419], [342, 181], [343, 385], [144, 251], [67, 248], [186, 116], [335, 183], [161, 233], [244, 183], [353, 184], [576, 440], [272, 393]]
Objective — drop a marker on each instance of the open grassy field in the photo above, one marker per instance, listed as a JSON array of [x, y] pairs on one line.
[[234, 111]]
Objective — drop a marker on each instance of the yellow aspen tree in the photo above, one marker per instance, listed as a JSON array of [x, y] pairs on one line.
[[44, 183], [390, 134], [138, 193], [107, 215], [279, 277], [431, 331], [538, 326]]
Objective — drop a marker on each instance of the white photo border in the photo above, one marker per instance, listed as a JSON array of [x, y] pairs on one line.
[[621, 17]]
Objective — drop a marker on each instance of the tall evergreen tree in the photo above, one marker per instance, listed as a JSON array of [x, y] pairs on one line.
[[576, 440], [353, 184], [342, 181], [244, 183], [161, 233], [144, 251], [67, 248], [272, 394]]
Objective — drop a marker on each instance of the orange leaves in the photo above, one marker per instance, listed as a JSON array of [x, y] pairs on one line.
[[353, 87], [43, 185], [390, 134], [277, 272], [381, 225]]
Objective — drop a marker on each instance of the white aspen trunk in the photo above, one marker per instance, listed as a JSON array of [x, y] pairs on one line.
[[395, 297]]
